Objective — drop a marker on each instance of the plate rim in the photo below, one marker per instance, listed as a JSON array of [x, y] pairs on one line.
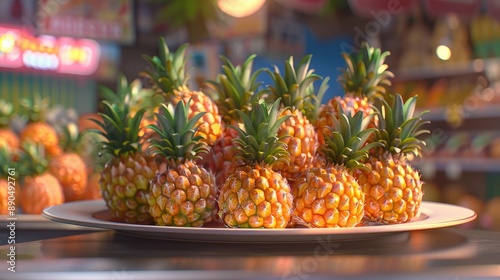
[[82, 214]]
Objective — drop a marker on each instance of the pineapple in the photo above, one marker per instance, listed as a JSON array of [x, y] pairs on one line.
[[39, 189], [138, 98], [37, 130], [125, 177], [167, 75], [393, 187], [236, 88], [364, 79], [256, 196], [330, 196], [7, 135], [185, 193], [69, 167], [93, 190], [294, 91]]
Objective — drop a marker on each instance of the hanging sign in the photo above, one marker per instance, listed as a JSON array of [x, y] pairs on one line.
[[108, 20], [21, 49]]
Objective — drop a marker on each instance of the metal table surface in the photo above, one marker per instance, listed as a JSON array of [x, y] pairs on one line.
[[450, 253]]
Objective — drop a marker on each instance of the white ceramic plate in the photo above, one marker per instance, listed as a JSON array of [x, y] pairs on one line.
[[37, 222], [95, 214]]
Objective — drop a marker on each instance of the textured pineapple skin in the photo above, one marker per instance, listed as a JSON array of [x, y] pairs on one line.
[[329, 111], [71, 171], [211, 123], [125, 182], [302, 143], [42, 133], [39, 192], [393, 190], [255, 197], [328, 197], [221, 158], [183, 195]]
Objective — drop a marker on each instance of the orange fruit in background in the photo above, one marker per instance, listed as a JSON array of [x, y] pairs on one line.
[[4, 195], [71, 172], [93, 190], [39, 192]]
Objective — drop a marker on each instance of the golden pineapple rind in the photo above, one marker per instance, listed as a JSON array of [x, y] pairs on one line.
[[183, 195], [301, 144], [393, 190], [71, 171], [124, 184], [210, 125], [328, 197], [350, 105], [255, 197]]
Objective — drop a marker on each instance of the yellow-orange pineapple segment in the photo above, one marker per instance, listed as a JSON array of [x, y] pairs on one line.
[[302, 143], [124, 183], [183, 195], [393, 190], [328, 197], [221, 158], [255, 198]]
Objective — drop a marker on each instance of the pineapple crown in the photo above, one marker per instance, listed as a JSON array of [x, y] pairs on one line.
[[235, 88], [177, 134], [295, 86], [119, 129], [133, 94], [398, 128], [365, 74], [35, 108], [6, 112], [167, 71], [71, 137], [33, 159], [258, 143], [141, 97], [347, 145]]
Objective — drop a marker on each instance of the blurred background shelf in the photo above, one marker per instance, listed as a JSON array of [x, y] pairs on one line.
[[459, 164]]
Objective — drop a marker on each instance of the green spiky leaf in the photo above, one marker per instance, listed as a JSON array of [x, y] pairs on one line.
[[257, 142], [399, 129], [178, 140]]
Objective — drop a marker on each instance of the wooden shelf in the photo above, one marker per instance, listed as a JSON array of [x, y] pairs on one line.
[[462, 164], [481, 112], [474, 67]]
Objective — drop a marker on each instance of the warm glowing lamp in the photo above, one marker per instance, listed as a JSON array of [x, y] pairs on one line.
[[443, 52], [240, 8]]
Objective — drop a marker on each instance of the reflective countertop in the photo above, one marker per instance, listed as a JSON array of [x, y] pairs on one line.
[[450, 253]]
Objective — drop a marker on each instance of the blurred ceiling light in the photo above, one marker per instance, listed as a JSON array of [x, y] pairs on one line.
[[443, 52], [240, 8]]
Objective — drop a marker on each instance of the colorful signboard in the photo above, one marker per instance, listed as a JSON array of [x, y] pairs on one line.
[[21, 49], [110, 20]]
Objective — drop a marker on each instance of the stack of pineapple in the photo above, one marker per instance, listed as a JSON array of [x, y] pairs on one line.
[[242, 154], [246, 155], [49, 162]]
